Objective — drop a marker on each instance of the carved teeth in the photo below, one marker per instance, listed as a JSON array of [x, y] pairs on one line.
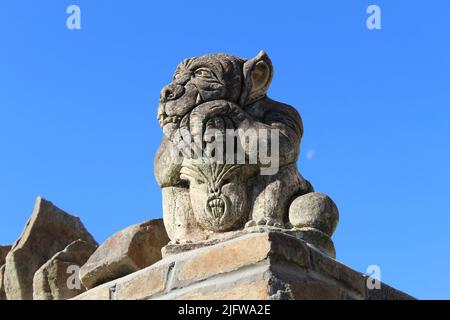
[[199, 99], [217, 207], [217, 211], [216, 203]]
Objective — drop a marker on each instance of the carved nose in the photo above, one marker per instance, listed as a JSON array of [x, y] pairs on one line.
[[215, 190], [171, 92]]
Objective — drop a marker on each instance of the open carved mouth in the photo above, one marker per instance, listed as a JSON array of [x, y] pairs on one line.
[[164, 119], [217, 207]]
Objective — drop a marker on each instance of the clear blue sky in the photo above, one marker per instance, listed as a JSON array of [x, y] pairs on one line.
[[78, 114]]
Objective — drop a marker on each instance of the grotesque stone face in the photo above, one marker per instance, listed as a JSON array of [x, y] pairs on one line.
[[213, 98], [198, 80], [218, 195]]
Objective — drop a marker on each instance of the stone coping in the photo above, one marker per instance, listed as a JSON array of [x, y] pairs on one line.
[[257, 265]]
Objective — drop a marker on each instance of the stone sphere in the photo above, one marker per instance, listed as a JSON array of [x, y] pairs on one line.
[[314, 210]]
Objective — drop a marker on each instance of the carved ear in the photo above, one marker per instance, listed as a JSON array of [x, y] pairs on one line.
[[258, 73]]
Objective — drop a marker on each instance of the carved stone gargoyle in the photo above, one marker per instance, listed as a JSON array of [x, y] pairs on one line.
[[213, 164]]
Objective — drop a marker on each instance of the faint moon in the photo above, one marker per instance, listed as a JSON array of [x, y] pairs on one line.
[[310, 154]]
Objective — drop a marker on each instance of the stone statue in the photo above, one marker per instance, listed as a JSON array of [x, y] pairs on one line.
[[213, 164]]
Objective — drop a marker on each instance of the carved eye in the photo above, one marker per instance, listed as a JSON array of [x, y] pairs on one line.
[[204, 73], [226, 181]]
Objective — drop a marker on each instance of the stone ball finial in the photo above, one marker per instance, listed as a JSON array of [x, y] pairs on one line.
[[314, 210]]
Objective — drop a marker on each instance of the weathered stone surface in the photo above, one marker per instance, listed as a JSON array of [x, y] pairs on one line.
[[251, 283], [256, 290], [309, 288], [386, 293], [3, 253], [2, 287], [213, 184], [4, 250], [48, 231], [127, 251], [102, 292], [314, 210], [136, 286], [225, 257], [223, 210], [316, 238], [181, 226], [314, 217], [58, 278], [263, 264], [339, 272], [142, 284]]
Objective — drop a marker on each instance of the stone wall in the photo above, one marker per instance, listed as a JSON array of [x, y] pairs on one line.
[[258, 264]]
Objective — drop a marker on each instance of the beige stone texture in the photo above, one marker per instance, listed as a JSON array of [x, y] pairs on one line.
[[127, 251], [259, 265], [48, 231], [58, 278]]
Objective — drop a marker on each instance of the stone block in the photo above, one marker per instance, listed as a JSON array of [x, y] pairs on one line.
[[2, 286], [4, 250], [127, 251], [225, 257], [58, 278], [48, 231]]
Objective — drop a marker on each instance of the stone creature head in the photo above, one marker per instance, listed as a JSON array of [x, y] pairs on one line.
[[212, 77], [219, 193]]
